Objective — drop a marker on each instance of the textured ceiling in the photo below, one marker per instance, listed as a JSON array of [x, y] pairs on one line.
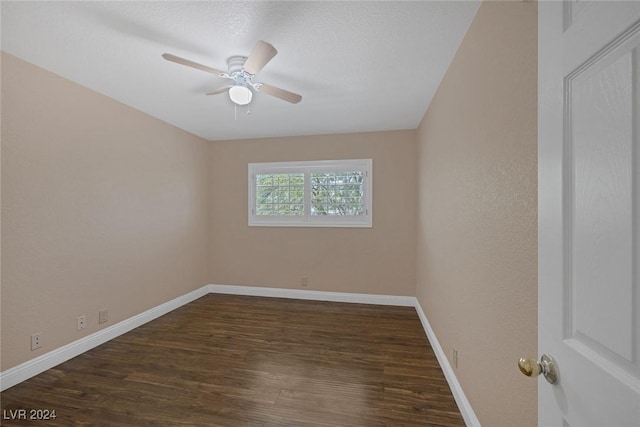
[[360, 66]]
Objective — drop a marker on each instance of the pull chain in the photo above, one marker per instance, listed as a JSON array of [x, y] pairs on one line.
[[235, 111]]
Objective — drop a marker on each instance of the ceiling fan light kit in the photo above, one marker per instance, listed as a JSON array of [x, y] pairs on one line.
[[242, 70], [241, 95]]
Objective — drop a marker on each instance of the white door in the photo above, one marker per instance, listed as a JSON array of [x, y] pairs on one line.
[[589, 212]]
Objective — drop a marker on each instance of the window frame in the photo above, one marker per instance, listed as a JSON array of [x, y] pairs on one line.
[[308, 220]]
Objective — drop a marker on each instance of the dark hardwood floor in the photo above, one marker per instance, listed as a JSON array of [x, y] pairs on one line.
[[227, 360]]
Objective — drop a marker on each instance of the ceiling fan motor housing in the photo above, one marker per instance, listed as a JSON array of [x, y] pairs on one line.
[[235, 64]]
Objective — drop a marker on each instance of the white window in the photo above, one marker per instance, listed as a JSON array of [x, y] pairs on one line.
[[327, 193]]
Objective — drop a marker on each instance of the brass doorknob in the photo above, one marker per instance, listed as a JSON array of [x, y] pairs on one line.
[[546, 366]]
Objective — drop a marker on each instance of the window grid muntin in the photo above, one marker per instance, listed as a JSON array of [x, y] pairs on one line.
[[337, 193], [280, 193]]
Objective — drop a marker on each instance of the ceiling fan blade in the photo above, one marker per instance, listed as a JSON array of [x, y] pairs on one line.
[[294, 98], [182, 61], [259, 57], [220, 90]]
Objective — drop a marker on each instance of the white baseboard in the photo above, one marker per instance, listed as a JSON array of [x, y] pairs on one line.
[[33, 367], [470, 418], [403, 301]]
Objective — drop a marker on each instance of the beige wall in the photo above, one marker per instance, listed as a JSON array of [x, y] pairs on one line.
[[477, 244], [378, 260], [102, 207]]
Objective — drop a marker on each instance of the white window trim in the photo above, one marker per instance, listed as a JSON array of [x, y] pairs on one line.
[[307, 220]]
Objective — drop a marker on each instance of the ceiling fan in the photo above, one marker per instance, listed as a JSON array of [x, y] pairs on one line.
[[242, 70]]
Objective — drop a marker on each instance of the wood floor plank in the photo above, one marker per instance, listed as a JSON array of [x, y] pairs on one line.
[[226, 360]]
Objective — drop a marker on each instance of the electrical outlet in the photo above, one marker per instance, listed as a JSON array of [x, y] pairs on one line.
[[81, 322], [455, 358], [304, 281], [36, 341], [103, 316]]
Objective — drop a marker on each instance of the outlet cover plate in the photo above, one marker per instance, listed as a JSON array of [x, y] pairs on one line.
[[81, 322], [103, 316], [36, 341]]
